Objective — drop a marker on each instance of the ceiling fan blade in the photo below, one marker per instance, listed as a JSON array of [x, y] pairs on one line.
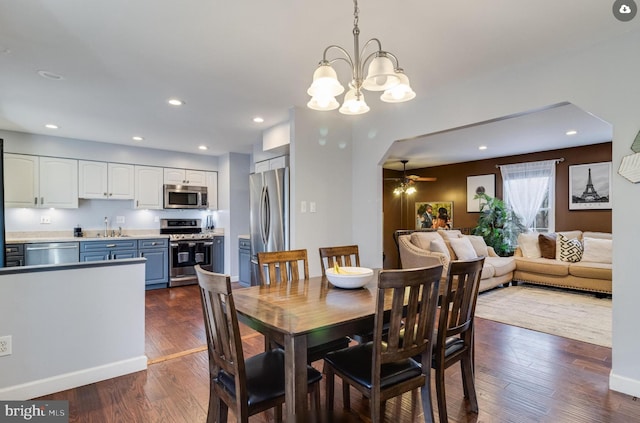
[[417, 178]]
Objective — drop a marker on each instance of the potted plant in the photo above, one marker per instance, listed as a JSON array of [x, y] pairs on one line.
[[498, 224]]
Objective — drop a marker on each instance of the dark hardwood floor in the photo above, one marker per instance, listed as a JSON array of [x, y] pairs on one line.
[[521, 376]]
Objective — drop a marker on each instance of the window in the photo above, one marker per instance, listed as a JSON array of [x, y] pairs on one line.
[[529, 189]]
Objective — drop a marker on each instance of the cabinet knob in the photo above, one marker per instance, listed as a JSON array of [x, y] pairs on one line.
[[105, 194]]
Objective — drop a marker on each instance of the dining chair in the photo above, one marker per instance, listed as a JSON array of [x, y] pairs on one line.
[[385, 368], [247, 386], [282, 267], [345, 255], [455, 334]]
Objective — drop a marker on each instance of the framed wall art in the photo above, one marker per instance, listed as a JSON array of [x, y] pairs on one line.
[[423, 221], [481, 184], [590, 186]]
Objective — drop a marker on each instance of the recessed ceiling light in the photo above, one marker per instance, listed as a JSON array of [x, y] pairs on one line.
[[203, 147], [50, 75], [4, 50], [137, 138], [51, 126], [572, 132], [482, 147], [175, 102], [258, 119]]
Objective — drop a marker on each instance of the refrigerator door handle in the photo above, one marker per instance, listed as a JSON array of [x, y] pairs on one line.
[[265, 215]]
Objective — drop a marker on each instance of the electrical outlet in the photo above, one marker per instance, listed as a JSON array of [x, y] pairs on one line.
[[156, 219], [5, 345], [119, 219], [45, 219]]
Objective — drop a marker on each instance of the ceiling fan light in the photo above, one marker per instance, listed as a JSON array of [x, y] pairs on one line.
[[411, 190], [353, 104], [325, 82], [399, 93], [381, 74], [323, 103]]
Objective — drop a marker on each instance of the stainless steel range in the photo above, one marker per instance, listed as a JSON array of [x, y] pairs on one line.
[[188, 246]]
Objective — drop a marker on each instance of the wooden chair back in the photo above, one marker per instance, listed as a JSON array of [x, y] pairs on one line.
[[414, 299], [461, 294], [345, 255], [283, 266]]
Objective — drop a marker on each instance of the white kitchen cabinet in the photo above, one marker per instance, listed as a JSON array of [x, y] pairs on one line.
[[38, 181], [184, 177], [212, 190], [149, 187], [101, 180], [275, 163]]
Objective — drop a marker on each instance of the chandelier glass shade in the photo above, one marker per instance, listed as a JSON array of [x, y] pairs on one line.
[[383, 74]]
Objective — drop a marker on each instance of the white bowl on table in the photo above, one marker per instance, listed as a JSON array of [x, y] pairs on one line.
[[349, 277]]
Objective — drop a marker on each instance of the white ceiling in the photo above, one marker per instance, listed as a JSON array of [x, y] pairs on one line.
[[230, 61]]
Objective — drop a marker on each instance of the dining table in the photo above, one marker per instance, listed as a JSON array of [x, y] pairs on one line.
[[301, 314]]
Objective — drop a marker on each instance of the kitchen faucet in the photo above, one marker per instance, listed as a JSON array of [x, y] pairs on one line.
[[106, 226]]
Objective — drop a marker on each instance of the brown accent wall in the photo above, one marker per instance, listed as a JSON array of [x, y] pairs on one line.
[[399, 212]]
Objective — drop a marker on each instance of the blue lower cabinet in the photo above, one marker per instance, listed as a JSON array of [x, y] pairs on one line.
[[156, 251]]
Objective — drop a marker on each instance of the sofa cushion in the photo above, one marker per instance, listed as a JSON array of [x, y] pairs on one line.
[[463, 248], [528, 243], [438, 246], [479, 245], [547, 244], [488, 271], [542, 265], [570, 249], [591, 270], [423, 239], [599, 235], [450, 233], [596, 250], [501, 265]]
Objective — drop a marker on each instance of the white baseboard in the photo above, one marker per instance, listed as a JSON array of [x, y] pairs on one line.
[[624, 385], [41, 387]]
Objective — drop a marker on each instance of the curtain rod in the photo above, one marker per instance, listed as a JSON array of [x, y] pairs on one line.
[[560, 160]]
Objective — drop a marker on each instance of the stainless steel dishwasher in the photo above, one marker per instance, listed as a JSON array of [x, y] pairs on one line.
[[52, 253]]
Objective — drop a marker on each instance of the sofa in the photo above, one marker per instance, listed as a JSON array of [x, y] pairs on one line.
[[572, 259], [421, 248]]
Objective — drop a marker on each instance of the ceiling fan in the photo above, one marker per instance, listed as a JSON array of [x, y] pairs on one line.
[[407, 181]]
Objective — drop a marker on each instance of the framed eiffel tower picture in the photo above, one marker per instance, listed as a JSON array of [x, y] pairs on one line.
[[590, 186]]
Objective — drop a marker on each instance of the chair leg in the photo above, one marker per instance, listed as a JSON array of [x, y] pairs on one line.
[[223, 411], [468, 382], [346, 396], [277, 413], [425, 396], [440, 394], [329, 380]]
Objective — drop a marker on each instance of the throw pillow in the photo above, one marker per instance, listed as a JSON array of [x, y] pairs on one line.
[[423, 239], [479, 245], [547, 244], [570, 249], [528, 243], [438, 246], [450, 233], [463, 248], [597, 250]]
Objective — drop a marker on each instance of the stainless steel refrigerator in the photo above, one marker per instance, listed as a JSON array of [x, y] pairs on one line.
[[269, 202]]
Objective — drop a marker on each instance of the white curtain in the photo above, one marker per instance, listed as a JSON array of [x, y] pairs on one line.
[[525, 187]]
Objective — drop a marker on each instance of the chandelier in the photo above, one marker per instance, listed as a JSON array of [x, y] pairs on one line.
[[384, 74]]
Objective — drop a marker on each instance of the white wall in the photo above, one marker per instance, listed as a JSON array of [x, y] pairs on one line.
[[71, 327], [601, 79], [320, 162]]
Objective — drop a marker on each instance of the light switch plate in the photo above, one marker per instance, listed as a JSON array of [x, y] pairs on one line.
[[303, 206], [312, 206]]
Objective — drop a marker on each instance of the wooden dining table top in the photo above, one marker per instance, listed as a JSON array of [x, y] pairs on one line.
[[303, 306]]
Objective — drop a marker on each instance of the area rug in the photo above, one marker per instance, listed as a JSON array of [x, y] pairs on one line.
[[566, 313]]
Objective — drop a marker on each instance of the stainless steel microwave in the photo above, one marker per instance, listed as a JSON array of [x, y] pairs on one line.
[[185, 197]]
